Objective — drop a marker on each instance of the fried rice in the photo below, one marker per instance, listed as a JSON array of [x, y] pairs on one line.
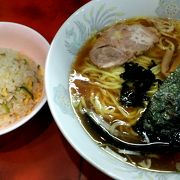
[[21, 86]]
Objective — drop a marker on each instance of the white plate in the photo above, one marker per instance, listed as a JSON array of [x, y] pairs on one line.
[[70, 37]]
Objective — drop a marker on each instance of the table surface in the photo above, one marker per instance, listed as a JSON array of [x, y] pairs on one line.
[[37, 150]]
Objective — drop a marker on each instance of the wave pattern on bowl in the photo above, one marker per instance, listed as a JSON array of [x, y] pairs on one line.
[[91, 23]]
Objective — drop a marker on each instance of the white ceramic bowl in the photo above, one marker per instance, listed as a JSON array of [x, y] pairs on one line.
[[30, 43], [90, 18]]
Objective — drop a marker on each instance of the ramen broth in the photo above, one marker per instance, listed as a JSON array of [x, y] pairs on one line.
[[98, 89]]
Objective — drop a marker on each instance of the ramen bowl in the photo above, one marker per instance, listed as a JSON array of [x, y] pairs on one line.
[[18, 38], [71, 36]]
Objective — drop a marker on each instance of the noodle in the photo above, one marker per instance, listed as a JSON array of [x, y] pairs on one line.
[[163, 25], [144, 61], [145, 163], [169, 44], [102, 78]]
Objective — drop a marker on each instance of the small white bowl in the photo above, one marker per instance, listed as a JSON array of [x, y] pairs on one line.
[[90, 18], [30, 43]]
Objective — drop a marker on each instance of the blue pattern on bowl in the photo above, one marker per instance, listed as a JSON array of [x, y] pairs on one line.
[[92, 22], [169, 8], [61, 96]]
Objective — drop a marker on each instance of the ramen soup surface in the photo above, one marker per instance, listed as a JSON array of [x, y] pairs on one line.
[[98, 83]]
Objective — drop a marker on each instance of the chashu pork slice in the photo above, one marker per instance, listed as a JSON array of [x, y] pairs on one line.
[[120, 43]]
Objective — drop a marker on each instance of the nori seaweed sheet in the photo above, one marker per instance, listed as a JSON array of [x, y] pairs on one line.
[[161, 120], [138, 81]]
